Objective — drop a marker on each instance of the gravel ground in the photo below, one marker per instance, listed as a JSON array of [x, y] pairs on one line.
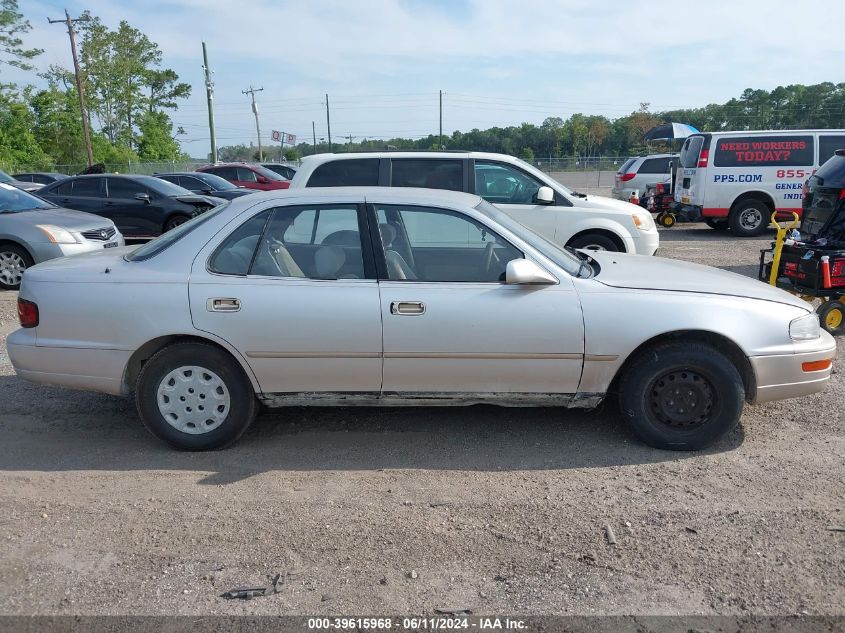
[[369, 511]]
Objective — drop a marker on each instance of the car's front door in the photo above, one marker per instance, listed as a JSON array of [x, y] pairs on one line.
[[133, 216], [451, 324], [294, 290]]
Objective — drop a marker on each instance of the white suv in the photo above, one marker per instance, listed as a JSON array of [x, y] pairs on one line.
[[524, 192]]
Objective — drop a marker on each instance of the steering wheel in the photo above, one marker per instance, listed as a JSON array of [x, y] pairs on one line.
[[490, 257]]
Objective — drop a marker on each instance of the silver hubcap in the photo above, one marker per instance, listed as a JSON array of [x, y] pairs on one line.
[[751, 218], [11, 268], [594, 247], [193, 400]]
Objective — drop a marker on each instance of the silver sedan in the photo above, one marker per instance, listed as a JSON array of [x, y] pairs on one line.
[[368, 296], [33, 230]]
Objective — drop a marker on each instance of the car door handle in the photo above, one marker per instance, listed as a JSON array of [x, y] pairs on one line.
[[223, 304], [407, 308]]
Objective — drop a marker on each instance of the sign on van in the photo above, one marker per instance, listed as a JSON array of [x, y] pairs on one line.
[[769, 151]]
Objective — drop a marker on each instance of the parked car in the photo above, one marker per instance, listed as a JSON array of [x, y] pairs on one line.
[[40, 177], [208, 184], [140, 206], [247, 175], [637, 173], [384, 296], [20, 184], [286, 171], [33, 231], [565, 217], [737, 179]]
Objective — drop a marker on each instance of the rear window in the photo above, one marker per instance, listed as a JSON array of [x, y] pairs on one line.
[[832, 173], [828, 145], [346, 173], [626, 165], [764, 151], [165, 240], [655, 166], [690, 151]]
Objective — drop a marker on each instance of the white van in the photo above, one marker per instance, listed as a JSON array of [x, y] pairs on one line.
[[737, 179]]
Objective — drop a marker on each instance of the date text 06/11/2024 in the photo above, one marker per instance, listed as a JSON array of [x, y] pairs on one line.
[[440, 623]]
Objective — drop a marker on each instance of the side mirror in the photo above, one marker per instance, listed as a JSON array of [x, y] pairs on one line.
[[545, 195], [143, 196], [526, 272]]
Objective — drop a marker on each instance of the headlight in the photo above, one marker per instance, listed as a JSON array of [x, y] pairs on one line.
[[58, 235], [805, 328], [643, 221]]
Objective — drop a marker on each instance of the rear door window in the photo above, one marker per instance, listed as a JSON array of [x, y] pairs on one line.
[[89, 187], [691, 150], [428, 173], [355, 172], [828, 144], [764, 151]]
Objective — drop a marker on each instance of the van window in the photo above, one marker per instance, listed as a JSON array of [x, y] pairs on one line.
[[357, 172], [764, 151], [690, 151], [428, 173], [655, 166], [626, 165], [828, 145]]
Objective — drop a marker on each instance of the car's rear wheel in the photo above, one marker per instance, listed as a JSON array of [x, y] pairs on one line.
[[195, 397], [719, 225], [594, 242], [749, 218], [681, 396], [175, 221], [14, 260]]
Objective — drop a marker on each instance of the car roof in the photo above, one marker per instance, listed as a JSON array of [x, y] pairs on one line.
[[324, 157], [406, 195]]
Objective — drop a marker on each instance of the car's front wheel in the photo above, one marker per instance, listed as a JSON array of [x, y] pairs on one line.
[[594, 242], [195, 397], [13, 262], [681, 396]]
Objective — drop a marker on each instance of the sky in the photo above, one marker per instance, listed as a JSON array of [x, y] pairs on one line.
[[498, 62]]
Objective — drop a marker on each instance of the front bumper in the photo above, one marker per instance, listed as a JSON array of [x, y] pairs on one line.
[[780, 376], [645, 242], [42, 251]]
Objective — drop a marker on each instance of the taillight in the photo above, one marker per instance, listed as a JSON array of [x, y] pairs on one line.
[[27, 313], [842, 194], [702, 157], [627, 177]]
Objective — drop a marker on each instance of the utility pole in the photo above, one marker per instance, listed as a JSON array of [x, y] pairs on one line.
[[209, 93], [314, 132], [441, 119], [328, 123], [251, 92], [80, 89]]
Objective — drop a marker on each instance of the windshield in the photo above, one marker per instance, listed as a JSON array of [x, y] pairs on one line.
[[165, 240], [163, 187], [569, 262], [13, 200], [215, 182]]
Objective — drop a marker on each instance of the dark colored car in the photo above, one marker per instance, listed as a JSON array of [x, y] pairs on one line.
[[140, 206], [247, 175], [40, 177], [824, 197], [20, 184], [286, 171], [206, 184]]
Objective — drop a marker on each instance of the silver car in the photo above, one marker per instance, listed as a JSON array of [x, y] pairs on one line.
[[33, 231], [392, 296]]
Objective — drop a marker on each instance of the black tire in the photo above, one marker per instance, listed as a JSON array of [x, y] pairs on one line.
[[650, 400], [749, 218], [233, 419], [175, 221], [14, 261], [594, 242], [718, 224], [832, 317]]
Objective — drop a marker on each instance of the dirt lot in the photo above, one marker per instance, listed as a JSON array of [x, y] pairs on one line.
[[404, 511]]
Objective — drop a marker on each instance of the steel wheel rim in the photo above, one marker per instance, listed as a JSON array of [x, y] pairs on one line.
[[833, 318], [593, 247], [681, 398], [751, 218], [193, 400], [12, 266]]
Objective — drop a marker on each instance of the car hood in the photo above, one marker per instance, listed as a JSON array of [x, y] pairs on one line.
[[605, 204], [65, 218], [25, 186], [621, 270]]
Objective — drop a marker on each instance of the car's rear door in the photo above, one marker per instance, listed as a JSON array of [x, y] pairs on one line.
[[293, 289], [451, 324]]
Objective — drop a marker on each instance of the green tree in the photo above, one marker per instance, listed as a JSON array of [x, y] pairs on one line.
[[156, 140], [12, 26]]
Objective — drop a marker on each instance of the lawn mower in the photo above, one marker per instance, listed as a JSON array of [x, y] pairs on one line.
[[810, 265]]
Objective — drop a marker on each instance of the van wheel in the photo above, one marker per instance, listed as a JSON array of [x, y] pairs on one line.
[[719, 225], [832, 316], [749, 218], [594, 242], [681, 396], [195, 397]]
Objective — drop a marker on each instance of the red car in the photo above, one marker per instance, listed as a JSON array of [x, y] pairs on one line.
[[247, 175]]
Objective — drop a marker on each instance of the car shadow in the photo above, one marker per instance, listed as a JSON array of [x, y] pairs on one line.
[[699, 231], [53, 429]]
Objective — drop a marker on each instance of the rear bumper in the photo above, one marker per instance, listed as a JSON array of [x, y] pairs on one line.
[[781, 376], [76, 368]]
